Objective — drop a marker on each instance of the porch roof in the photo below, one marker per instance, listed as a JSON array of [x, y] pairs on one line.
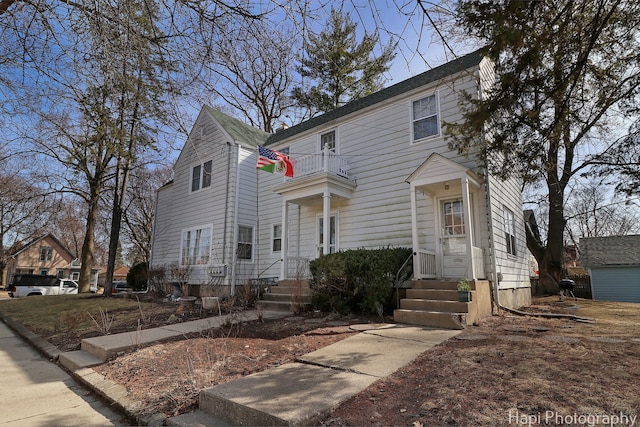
[[437, 168]]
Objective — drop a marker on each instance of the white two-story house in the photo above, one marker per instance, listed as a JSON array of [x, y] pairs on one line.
[[377, 172]]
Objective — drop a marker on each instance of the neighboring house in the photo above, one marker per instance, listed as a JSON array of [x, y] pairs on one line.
[[614, 265], [374, 173], [45, 255]]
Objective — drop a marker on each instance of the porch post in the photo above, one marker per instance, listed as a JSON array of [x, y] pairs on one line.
[[326, 221], [414, 233], [466, 199], [285, 242]]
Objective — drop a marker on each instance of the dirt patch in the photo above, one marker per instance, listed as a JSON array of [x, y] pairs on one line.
[[168, 377], [509, 370]]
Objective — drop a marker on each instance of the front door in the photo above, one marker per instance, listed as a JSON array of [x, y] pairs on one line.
[[453, 239]]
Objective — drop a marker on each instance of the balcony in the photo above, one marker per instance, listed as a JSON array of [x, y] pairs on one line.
[[327, 162]]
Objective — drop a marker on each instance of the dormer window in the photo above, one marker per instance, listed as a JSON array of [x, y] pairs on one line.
[[425, 118], [201, 176]]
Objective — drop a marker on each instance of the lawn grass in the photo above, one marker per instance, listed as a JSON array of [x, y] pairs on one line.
[[64, 320], [51, 314]]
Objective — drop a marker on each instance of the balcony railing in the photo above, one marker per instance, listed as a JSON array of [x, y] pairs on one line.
[[327, 161]]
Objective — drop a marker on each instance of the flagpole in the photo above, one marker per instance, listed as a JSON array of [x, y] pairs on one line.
[[257, 223]]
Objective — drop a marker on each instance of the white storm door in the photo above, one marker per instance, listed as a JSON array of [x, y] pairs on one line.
[[453, 239]]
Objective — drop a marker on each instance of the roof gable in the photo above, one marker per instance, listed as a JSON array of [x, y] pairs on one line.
[[48, 236], [450, 68], [610, 251], [239, 131], [424, 175]]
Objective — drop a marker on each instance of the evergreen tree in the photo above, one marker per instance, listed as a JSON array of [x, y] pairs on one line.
[[566, 75], [340, 68]]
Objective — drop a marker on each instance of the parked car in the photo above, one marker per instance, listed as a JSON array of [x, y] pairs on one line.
[[34, 284], [119, 286]]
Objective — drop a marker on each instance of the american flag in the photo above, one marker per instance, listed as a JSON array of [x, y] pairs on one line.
[[266, 156], [272, 161]]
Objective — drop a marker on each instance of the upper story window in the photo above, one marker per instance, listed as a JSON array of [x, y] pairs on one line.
[[510, 231], [201, 176], [46, 253], [245, 242], [328, 140], [425, 118], [196, 246]]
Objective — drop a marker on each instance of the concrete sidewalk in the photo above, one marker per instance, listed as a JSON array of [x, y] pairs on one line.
[[36, 393], [302, 393], [298, 393]]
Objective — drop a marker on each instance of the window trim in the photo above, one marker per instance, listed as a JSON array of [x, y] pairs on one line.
[[48, 256], [436, 96], [509, 222], [274, 238], [335, 140], [252, 243], [182, 256], [203, 175]]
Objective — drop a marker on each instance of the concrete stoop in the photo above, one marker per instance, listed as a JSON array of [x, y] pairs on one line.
[[287, 296], [435, 303]]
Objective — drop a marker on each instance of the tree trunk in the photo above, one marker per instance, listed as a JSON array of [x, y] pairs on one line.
[[88, 246]]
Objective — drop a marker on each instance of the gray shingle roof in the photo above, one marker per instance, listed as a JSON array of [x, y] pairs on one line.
[[610, 251], [239, 131], [460, 64]]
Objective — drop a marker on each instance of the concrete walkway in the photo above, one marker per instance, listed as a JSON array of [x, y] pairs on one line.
[[36, 393], [297, 393]]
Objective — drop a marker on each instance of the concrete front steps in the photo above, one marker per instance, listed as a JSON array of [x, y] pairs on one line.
[[289, 295], [435, 303]]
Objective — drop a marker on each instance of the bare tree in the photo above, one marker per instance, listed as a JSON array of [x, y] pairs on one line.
[[24, 212], [592, 212], [139, 211], [253, 66]]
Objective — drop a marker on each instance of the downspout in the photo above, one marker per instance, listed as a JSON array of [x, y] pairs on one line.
[[234, 256], [492, 247], [226, 205]]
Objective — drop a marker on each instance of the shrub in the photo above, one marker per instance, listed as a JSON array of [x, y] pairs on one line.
[[356, 280], [137, 276]]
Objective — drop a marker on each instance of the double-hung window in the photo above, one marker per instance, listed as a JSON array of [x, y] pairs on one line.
[[510, 231], [201, 176], [328, 140], [46, 253], [196, 246], [276, 245], [425, 118], [245, 242]]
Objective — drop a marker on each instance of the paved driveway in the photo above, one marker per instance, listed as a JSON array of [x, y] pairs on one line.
[[36, 392]]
